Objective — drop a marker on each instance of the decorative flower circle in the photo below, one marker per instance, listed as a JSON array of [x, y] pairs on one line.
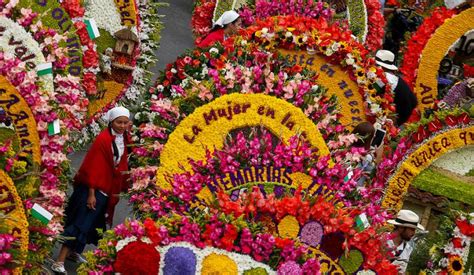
[[288, 227], [218, 264], [179, 260], [352, 261], [312, 233], [137, 257]]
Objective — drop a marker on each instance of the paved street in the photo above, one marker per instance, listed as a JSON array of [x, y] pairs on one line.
[[175, 38]]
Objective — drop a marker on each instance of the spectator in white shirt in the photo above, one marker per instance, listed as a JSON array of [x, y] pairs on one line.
[[402, 243]]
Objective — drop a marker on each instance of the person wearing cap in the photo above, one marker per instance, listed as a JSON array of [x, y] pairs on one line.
[[97, 185], [228, 24], [406, 223], [404, 99]]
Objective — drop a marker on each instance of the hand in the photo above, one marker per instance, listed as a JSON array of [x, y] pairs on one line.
[[91, 201]]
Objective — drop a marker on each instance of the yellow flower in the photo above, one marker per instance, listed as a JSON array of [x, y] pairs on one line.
[[214, 264], [426, 84], [415, 163], [455, 266], [289, 227]]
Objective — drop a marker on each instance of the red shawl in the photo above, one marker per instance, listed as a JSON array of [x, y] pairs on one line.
[[211, 38], [99, 172]]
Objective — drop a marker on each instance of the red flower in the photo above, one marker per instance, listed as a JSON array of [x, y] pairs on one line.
[[451, 120], [463, 118], [435, 125], [137, 258], [281, 243], [152, 231], [73, 8], [465, 227], [89, 83], [230, 235], [81, 31], [421, 134], [90, 59], [468, 71], [457, 242]]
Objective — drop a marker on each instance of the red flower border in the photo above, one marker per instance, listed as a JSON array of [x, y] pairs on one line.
[[418, 41]]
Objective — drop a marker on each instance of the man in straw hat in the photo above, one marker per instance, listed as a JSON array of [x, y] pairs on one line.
[[405, 101], [228, 24], [406, 223]]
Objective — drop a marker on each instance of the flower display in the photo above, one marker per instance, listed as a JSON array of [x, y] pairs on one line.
[[79, 93], [204, 14], [334, 44], [65, 94], [426, 85], [210, 243], [332, 227], [418, 41], [7, 258], [148, 27], [450, 257], [413, 148], [49, 188]]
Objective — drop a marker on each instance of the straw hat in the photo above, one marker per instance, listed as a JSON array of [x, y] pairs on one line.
[[407, 218], [226, 18], [386, 59]]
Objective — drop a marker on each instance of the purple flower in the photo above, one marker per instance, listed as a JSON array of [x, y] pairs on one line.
[[290, 268]]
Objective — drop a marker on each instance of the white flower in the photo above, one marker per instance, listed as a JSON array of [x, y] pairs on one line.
[[146, 240], [329, 52], [160, 88], [184, 83], [375, 108], [243, 42], [314, 88], [350, 59], [335, 46], [173, 70], [122, 243], [371, 75], [443, 262], [213, 50], [288, 34], [366, 272]]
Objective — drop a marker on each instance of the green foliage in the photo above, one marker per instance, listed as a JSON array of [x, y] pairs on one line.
[[104, 41], [357, 18], [470, 173], [440, 184], [352, 261], [256, 271], [469, 266], [431, 244], [221, 7]]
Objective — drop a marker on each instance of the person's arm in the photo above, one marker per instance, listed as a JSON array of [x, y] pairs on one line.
[[91, 201]]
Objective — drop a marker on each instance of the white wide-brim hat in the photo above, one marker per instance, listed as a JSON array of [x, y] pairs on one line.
[[407, 218], [226, 18], [386, 59]]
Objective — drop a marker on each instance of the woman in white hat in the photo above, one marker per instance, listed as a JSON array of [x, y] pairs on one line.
[[406, 223], [228, 24], [97, 185]]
